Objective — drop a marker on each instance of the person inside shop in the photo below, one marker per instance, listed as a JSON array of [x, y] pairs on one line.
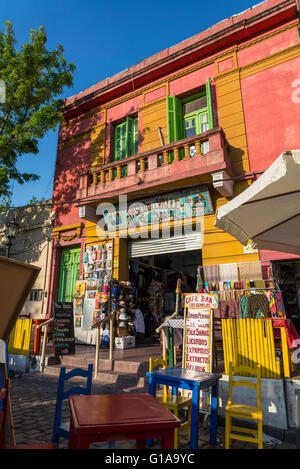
[[150, 320], [139, 322]]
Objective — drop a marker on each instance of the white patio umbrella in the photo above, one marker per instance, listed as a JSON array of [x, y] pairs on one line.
[[268, 211]]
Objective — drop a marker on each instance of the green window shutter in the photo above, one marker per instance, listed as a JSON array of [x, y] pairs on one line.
[[209, 104], [120, 142], [135, 136], [129, 133], [174, 117], [131, 136]]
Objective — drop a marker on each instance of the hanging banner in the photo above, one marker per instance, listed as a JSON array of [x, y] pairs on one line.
[[64, 339]]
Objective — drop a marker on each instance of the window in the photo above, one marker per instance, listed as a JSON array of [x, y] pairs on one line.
[[189, 117], [35, 295], [126, 139]]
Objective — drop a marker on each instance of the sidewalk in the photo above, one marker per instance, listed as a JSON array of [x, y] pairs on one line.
[[33, 398]]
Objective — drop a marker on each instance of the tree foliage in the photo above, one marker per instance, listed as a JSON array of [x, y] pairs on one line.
[[34, 79]]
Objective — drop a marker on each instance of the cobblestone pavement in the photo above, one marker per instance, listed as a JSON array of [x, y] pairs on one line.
[[33, 398]]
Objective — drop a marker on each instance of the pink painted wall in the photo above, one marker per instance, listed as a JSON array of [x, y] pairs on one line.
[[271, 117], [267, 47], [76, 128], [192, 81], [71, 162], [155, 94], [276, 256]]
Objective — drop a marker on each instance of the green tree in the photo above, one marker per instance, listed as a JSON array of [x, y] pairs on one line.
[[34, 79]]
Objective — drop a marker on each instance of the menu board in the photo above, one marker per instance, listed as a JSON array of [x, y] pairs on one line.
[[198, 337], [198, 340], [64, 340]]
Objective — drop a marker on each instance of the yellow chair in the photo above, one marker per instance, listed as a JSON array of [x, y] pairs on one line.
[[173, 403], [242, 411]]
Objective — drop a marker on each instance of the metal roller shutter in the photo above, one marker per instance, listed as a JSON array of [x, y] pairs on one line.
[[152, 247]]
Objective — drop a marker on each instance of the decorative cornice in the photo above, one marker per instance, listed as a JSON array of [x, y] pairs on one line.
[[166, 81], [175, 52], [77, 227]]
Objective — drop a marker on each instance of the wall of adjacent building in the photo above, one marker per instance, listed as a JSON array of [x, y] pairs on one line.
[[33, 245]]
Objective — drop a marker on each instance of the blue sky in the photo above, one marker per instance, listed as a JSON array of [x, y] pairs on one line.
[[102, 39]]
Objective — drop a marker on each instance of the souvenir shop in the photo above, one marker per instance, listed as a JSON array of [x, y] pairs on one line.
[[246, 290], [154, 279], [287, 274]]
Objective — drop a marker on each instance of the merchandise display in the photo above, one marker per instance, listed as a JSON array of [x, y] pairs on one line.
[[245, 290]]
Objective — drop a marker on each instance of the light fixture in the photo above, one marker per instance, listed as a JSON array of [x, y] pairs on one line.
[[11, 229]]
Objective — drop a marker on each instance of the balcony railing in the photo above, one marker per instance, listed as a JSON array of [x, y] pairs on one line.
[[191, 156]]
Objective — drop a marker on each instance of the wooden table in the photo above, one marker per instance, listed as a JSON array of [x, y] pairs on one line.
[[114, 417], [192, 381]]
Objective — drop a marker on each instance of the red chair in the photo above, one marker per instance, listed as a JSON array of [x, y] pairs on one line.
[[4, 393], [3, 414]]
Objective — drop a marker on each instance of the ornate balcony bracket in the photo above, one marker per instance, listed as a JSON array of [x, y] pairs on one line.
[[223, 183]]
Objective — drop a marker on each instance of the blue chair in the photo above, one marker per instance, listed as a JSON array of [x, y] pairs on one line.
[[62, 429]]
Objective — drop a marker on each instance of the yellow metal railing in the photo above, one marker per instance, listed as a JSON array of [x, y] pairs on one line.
[[19, 340], [247, 342]]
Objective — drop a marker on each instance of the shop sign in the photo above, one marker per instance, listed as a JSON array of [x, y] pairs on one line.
[[202, 300], [198, 338], [64, 339], [162, 208]]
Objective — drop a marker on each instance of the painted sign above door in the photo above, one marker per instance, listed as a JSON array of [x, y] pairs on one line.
[[162, 208]]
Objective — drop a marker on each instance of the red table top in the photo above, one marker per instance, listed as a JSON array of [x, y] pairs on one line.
[[111, 411]]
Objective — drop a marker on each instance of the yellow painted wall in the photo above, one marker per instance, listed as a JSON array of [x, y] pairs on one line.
[[154, 115], [231, 118], [98, 140], [218, 246]]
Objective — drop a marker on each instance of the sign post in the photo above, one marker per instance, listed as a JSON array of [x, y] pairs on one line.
[[64, 338], [198, 336]]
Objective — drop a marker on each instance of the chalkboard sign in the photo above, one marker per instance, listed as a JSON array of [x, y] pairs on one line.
[[64, 339]]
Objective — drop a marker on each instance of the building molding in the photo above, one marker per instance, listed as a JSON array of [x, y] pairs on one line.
[[77, 227]]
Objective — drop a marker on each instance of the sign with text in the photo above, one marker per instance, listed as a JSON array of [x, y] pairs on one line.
[[162, 208], [64, 339], [198, 340], [202, 300], [198, 337]]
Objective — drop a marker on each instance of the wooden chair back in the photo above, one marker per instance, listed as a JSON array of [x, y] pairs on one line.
[[245, 371], [63, 394], [159, 362]]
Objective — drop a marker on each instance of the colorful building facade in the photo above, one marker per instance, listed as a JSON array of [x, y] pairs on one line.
[[205, 117]]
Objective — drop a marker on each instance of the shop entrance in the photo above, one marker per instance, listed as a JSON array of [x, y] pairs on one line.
[[155, 278], [287, 274]]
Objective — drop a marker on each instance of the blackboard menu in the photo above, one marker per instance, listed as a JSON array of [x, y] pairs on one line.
[[64, 339]]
